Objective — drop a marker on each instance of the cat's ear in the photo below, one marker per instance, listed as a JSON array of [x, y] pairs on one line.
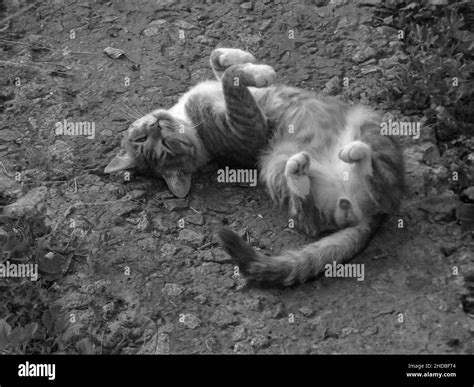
[[120, 162], [178, 182]]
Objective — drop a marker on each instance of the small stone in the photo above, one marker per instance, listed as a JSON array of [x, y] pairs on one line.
[[190, 321], [9, 135], [135, 194], [259, 342], [265, 25], [201, 298], [162, 344], [369, 2], [192, 237], [168, 249], [239, 333], [248, 5], [339, 3], [333, 86], [175, 204], [31, 202], [363, 54], [280, 311], [306, 311], [173, 290], [253, 304], [430, 153], [204, 39], [143, 221], [223, 318], [249, 39], [467, 196], [449, 249], [221, 208], [158, 22], [243, 348], [184, 25], [167, 328], [370, 331], [196, 219], [150, 31], [348, 330]]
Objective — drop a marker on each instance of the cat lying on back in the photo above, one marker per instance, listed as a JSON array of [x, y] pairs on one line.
[[322, 160]]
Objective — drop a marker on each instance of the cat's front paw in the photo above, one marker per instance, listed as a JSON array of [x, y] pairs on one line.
[[296, 173], [263, 75], [222, 58], [354, 151]]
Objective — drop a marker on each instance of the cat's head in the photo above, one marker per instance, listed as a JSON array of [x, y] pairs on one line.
[[163, 144]]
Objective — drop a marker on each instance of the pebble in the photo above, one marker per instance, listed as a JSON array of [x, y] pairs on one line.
[[259, 342], [364, 53], [370, 331], [265, 25], [239, 333], [306, 311], [280, 311], [175, 204], [248, 5], [150, 31], [201, 298], [184, 25], [223, 318], [192, 237], [243, 348], [348, 330], [333, 86], [31, 202], [190, 321], [196, 219], [168, 249], [173, 290]]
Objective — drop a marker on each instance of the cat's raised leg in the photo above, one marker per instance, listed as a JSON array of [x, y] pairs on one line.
[[247, 122], [222, 58], [301, 202], [296, 173]]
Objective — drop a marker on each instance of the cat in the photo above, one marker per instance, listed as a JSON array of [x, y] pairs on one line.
[[321, 159]]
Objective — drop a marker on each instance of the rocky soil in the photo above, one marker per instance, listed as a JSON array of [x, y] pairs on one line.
[[115, 257]]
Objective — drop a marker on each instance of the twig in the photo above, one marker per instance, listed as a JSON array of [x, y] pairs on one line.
[[8, 63], [49, 48], [23, 10]]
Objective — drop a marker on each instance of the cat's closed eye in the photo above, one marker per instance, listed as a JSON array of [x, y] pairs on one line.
[[140, 139]]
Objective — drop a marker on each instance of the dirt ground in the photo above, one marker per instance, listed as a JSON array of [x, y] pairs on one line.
[[124, 272]]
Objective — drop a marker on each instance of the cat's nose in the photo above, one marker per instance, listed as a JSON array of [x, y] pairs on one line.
[[344, 204]]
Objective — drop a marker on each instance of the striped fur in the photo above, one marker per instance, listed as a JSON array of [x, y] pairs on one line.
[[322, 160]]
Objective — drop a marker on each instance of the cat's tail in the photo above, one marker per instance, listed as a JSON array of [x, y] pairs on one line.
[[297, 266]]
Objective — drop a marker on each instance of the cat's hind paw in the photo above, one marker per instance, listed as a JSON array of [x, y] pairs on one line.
[[298, 164], [223, 58], [296, 173], [354, 151], [359, 153], [263, 75]]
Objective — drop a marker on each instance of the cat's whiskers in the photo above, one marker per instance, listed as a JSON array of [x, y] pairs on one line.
[[128, 110]]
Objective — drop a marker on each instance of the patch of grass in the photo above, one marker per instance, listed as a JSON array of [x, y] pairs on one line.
[[437, 79]]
